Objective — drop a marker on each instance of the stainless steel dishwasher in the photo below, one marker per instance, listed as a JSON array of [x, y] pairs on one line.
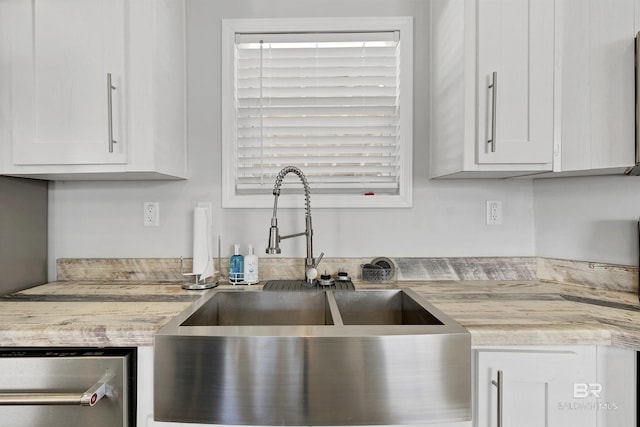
[[67, 387]]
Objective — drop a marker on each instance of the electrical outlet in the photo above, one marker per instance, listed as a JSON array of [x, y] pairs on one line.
[[494, 212], [151, 214]]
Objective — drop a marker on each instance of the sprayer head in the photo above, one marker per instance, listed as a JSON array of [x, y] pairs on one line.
[[274, 238]]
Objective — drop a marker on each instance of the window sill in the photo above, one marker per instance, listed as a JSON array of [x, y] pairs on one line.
[[318, 201]]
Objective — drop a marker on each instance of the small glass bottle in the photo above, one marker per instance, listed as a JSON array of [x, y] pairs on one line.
[[236, 266]]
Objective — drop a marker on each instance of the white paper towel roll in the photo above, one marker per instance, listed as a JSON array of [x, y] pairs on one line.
[[202, 260]]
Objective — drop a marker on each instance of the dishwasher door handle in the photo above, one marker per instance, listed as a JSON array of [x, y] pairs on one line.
[[87, 398]]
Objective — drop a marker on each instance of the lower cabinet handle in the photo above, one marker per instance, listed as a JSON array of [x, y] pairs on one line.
[[110, 89], [88, 398], [500, 386]]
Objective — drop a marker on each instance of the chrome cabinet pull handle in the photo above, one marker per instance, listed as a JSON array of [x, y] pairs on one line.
[[500, 386], [494, 96], [87, 398], [110, 89]]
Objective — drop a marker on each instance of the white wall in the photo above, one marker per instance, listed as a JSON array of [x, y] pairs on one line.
[[104, 219], [588, 219]]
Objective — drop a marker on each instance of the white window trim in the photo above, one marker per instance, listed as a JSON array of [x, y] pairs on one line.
[[232, 26]]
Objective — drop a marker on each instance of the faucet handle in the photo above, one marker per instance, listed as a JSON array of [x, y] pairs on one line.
[[310, 274], [316, 262]]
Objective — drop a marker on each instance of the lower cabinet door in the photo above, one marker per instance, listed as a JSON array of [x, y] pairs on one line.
[[536, 388]]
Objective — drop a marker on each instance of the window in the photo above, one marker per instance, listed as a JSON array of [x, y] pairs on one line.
[[330, 96]]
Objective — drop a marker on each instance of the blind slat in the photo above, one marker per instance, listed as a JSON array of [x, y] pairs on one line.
[[272, 125], [315, 82], [340, 69], [324, 101], [363, 143], [315, 110], [336, 132], [344, 160], [318, 37], [315, 93], [336, 170], [271, 150], [362, 53]]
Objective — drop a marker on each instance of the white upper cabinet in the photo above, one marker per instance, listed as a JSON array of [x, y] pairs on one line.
[[478, 126], [61, 54], [515, 41], [62, 119], [596, 87]]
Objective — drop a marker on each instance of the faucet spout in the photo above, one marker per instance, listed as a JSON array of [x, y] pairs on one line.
[[274, 233]]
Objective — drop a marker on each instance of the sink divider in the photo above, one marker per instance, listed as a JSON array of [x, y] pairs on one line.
[[333, 307]]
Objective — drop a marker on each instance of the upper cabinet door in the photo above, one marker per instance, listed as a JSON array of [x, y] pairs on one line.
[[515, 40], [597, 86], [61, 53]]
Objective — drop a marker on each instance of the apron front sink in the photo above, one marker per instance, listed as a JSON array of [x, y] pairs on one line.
[[312, 358]]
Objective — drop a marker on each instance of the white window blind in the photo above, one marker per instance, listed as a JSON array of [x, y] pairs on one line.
[[325, 102], [332, 96]]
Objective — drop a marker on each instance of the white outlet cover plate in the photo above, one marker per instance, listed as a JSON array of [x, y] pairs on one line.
[[494, 212], [151, 214]]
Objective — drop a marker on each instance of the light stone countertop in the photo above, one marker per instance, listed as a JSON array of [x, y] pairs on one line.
[[497, 313]]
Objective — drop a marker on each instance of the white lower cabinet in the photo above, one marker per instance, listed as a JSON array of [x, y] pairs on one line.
[[144, 410], [617, 375], [579, 386]]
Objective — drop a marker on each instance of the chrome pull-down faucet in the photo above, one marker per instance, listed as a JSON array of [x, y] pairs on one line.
[[310, 271]]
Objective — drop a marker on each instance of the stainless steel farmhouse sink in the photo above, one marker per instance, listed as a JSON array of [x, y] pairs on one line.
[[312, 358]]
